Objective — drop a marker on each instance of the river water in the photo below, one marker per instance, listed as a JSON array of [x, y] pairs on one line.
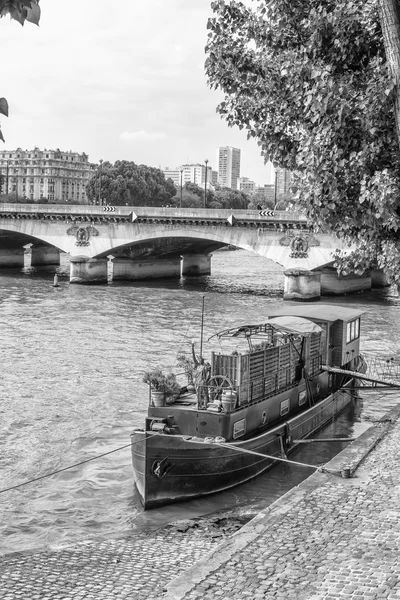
[[71, 389]]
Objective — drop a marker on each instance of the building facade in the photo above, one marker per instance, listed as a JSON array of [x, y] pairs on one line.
[[46, 174], [194, 173], [228, 162], [246, 185]]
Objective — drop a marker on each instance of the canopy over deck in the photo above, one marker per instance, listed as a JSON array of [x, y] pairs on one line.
[[319, 312], [287, 324]]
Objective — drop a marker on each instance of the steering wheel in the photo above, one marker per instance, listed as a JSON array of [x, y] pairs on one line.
[[217, 385]]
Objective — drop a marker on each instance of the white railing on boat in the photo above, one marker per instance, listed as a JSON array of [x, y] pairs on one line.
[[387, 369]]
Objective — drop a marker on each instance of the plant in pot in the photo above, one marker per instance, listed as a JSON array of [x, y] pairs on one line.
[[172, 388], [164, 388], [189, 368], [157, 382]]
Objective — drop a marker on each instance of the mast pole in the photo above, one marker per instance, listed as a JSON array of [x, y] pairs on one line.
[[202, 327]]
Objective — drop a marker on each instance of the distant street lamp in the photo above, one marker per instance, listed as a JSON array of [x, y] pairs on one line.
[[101, 163], [276, 188], [7, 167], [205, 184], [181, 187]]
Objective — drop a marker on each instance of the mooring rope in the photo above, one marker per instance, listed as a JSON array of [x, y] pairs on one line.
[[82, 462], [253, 452]]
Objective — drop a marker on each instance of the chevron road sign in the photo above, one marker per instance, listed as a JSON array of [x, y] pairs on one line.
[[266, 213], [108, 208]]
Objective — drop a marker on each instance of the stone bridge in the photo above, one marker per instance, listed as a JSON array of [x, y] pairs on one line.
[[148, 242]]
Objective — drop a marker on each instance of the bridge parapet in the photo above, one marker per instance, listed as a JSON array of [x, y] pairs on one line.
[[134, 213]]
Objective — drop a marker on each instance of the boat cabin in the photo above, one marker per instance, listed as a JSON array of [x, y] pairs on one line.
[[274, 371]]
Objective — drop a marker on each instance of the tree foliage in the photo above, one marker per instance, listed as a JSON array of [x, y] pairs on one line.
[[228, 198], [124, 182], [21, 11], [309, 81]]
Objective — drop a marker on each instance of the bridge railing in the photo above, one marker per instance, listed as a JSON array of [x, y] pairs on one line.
[[150, 212]]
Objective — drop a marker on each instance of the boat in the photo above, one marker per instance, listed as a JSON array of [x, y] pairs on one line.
[[284, 379]]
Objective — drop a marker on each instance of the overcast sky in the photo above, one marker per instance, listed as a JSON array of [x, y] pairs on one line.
[[121, 80]]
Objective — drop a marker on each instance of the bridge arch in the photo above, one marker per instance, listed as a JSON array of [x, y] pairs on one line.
[[154, 234]]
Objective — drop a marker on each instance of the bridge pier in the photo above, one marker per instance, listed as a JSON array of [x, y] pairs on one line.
[[88, 270], [196, 264], [44, 256], [302, 285], [12, 258], [127, 269], [333, 284]]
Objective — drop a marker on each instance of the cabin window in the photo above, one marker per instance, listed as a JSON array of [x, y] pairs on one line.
[[239, 428], [302, 397], [285, 405], [353, 330]]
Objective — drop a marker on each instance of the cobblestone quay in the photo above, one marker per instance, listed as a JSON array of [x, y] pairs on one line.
[[331, 537]]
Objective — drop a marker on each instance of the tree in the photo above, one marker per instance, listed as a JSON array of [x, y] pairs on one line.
[[389, 15], [309, 80], [124, 182], [194, 189], [259, 199], [229, 198], [189, 199], [21, 11]]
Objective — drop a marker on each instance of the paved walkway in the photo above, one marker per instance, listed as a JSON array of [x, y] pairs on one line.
[[329, 538]]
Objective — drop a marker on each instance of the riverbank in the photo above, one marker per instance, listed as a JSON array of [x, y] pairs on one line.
[[330, 537]]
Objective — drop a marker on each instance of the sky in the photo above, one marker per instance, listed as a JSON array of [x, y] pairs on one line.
[[119, 81]]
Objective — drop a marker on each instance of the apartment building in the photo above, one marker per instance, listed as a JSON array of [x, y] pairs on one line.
[[246, 185], [46, 174], [194, 173], [228, 162]]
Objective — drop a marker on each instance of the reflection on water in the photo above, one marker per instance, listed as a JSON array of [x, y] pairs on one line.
[[72, 359]]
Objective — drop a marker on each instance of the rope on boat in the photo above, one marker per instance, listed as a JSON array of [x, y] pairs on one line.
[[254, 453], [321, 468], [82, 462]]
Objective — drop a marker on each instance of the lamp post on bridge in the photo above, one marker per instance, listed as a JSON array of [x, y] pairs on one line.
[[205, 184], [180, 205], [7, 167], [101, 163]]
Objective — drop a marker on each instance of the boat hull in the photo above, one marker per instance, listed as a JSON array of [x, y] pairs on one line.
[[173, 468]]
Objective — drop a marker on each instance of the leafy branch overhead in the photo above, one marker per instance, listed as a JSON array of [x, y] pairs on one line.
[[21, 11], [309, 80]]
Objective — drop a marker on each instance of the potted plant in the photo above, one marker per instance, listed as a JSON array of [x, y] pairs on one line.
[[189, 368], [161, 386], [172, 388], [156, 380]]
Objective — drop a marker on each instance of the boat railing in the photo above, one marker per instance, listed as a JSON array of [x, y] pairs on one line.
[[387, 369], [219, 393]]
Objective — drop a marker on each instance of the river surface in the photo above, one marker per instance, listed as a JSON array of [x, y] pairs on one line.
[[71, 364]]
